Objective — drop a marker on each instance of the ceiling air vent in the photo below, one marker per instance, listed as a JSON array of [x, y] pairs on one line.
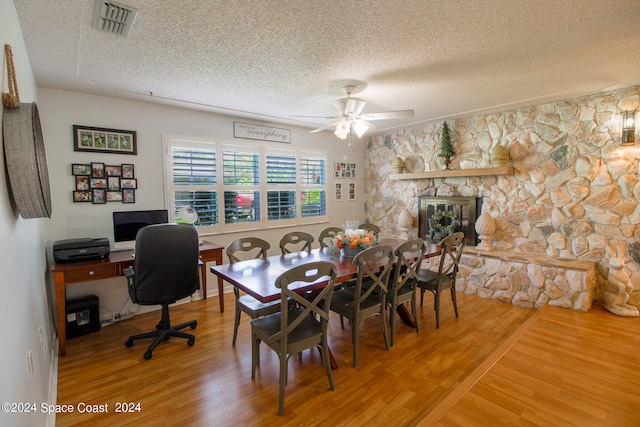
[[114, 18]]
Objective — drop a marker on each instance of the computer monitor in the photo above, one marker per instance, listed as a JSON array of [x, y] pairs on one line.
[[127, 223]]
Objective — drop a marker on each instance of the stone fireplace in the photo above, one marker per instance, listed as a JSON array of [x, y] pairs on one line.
[[574, 195], [467, 210]]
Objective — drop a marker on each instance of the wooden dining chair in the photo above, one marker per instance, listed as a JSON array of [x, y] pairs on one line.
[[296, 241], [404, 281], [255, 248], [326, 235], [297, 326], [368, 297], [445, 278], [370, 227]]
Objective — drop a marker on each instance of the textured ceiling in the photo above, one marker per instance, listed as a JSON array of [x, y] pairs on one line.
[[270, 60]]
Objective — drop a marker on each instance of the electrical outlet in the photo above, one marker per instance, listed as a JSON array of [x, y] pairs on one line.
[[116, 317]]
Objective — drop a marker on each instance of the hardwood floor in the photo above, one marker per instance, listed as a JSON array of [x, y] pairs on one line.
[[496, 365]]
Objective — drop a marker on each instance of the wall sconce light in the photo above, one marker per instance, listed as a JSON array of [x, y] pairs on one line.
[[628, 127]]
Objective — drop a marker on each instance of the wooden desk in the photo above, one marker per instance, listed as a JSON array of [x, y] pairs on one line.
[[85, 271]]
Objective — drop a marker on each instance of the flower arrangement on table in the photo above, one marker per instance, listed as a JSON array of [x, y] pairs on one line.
[[351, 242], [442, 223]]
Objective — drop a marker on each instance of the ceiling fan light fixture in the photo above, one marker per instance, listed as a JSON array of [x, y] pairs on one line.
[[342, 129], [360, 128]]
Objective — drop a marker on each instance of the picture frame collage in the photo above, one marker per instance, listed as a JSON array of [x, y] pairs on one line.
[[344, 191], [98, 183]]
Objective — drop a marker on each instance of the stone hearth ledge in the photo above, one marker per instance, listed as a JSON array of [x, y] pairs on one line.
[[527, 280]]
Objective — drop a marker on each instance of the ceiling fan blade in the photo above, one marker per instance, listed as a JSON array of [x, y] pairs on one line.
[[317, 117], [370, 125], [320, 129], [387, 115]]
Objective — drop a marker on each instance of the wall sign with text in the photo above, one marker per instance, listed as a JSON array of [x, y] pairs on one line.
[[261, 133]]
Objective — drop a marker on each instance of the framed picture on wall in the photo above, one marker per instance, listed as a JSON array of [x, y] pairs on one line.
[[99, 195], [337, 192], [98, 183], [82, 196], [112, 170], [113, 183], [127, 171], [131, 183], [114, 196], [128, 196], [80, 169], [87, 138], [97, 170], [351, 193], [82, 183]]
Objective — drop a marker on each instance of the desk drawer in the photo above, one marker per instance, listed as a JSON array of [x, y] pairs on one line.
[[93, 272]]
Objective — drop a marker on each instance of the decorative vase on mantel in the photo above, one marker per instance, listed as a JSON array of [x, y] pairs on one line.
[[446, 147], [447, 161], [499, 156], [398, 165]]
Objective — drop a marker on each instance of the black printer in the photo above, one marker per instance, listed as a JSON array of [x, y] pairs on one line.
[[83, 249]]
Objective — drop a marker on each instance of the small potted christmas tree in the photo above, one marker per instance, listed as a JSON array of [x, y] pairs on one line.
[[446, 148]]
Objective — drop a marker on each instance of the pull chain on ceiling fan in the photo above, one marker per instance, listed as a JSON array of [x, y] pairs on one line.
[[350, 118]]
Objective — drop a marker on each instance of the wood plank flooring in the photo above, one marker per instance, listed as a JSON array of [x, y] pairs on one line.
[[496, 365]]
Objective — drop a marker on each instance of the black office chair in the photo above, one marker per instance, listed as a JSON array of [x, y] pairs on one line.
[[165, 270]]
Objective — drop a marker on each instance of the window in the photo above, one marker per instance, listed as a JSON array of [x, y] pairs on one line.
[[232, 186], [194, 182], [241, 178]]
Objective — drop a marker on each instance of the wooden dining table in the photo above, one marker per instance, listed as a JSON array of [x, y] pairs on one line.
[[257, 277]]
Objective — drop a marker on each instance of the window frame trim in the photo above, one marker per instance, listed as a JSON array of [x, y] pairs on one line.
[[262, 149]]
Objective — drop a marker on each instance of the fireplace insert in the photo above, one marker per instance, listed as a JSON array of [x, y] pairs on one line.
[[466, 209]]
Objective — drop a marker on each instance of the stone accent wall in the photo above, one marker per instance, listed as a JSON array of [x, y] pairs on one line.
[[575, 190], [527, 280]]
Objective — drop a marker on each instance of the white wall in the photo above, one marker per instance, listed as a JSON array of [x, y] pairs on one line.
[[60, 110], [23, 272]]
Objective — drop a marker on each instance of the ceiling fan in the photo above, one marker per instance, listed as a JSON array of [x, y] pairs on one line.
[[350, 117]]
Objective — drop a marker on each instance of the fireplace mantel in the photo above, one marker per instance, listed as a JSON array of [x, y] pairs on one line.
[[504, 170]]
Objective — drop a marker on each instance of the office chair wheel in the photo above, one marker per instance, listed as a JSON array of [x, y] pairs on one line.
[[129, 343], [191, 341], [147, 355], [193, 325]]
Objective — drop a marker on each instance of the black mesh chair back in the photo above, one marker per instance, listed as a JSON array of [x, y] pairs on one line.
[[403, 285], [165, 269], [296, 241], [297, 326], [368, 297], [452, 247]]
